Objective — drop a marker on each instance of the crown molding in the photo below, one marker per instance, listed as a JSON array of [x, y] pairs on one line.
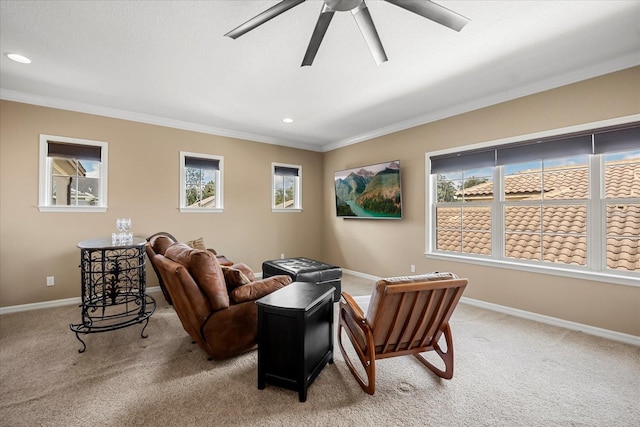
[[538, 86], [62, 104], [614, 65]]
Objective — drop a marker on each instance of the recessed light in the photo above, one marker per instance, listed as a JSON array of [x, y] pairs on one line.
[[18, 58], [287, 120]]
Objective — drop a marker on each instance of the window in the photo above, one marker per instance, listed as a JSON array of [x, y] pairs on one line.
[[463, 219], [73, 175], [200, 182], [564, 204], [622, 206], [286, 188], [545, 210]]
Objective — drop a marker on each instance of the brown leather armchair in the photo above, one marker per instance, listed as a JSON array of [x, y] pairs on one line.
[[406, 316], [216, 308], [162, 245]]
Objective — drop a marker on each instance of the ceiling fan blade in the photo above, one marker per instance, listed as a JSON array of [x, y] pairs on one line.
[[263, 17], [318, 34], [434, 12], [368, 30]]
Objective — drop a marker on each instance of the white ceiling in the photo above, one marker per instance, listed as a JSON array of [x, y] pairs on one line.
[[167, 62]]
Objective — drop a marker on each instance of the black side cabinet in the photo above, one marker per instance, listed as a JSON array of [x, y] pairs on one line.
[[295, 335]]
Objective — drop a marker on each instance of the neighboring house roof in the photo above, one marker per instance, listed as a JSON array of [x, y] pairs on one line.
[[207, 202], [285, 204], [564, 226]]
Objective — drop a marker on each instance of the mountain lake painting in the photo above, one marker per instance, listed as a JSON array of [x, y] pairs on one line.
[[369, 191]]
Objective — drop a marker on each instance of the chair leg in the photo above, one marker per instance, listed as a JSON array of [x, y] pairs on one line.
[[369, 365], [447, 357]]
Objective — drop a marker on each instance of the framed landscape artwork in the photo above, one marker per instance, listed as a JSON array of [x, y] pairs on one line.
[[372, 192]]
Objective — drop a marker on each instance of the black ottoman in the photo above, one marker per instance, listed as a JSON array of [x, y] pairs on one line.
[[305, 270]]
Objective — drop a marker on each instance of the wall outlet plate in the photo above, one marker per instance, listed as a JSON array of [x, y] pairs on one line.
[[51, 281]]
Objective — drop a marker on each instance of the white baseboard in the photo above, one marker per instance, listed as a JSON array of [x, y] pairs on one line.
[[40, 305], [52, 304], [591, 330], [363, 275]]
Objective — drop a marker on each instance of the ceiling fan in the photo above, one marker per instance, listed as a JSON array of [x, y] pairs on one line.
[[360, 12]]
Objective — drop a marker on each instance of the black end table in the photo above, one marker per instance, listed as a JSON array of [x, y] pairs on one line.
[[295, 335]]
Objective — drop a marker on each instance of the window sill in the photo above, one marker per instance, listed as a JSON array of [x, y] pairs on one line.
[[276, 210], [92, 209], [627, 278], [201, 210]]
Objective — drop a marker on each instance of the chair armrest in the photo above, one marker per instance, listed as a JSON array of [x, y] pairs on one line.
[[246, 270], [254, 290], [352, 308], [222, 260], [353, 320]]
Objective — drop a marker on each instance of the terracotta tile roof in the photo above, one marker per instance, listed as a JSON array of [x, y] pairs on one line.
[[571, 181], [623, 179], [563, 235]]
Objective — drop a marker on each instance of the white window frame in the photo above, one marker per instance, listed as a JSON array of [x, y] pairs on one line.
[[544, 203], [297, 188], [595, 268], [465, 204], [45, 172], [219, 184]]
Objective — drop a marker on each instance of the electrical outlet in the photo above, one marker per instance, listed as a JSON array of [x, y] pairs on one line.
[[50, 281], [281, 256], [413, 268]]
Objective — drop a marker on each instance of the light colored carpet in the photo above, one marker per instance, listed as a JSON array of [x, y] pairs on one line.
[[508, 372]]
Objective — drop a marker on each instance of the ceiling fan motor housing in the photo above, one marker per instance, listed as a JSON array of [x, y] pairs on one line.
[[342, 5]]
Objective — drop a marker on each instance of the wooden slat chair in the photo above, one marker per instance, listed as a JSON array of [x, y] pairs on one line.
[[406, 315]]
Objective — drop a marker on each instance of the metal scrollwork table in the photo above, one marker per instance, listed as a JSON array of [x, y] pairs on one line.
[[113, 287]]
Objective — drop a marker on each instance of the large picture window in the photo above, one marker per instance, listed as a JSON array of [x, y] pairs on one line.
[[200, 182], [73, 174], [567, 204]]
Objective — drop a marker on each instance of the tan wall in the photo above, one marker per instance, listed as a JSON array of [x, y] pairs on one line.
[[143, 185], [387, 248]]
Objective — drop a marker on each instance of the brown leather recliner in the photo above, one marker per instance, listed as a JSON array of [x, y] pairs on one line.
[[162, 245], [217, 308]]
